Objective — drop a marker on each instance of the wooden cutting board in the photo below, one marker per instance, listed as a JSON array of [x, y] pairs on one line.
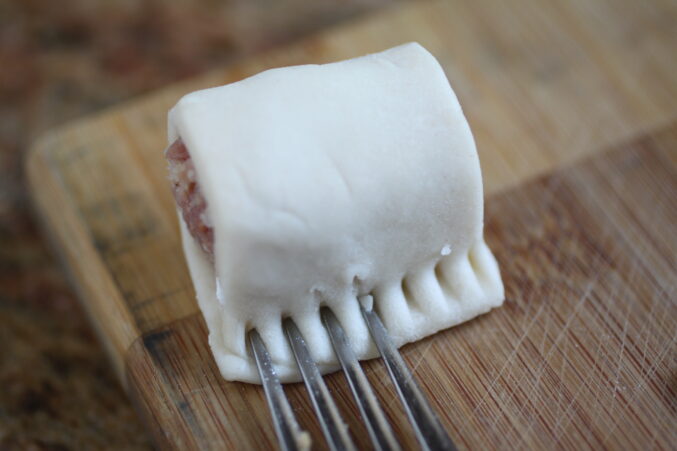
[[583, 352]]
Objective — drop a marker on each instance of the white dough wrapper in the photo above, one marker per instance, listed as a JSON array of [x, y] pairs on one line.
[[325, 183]]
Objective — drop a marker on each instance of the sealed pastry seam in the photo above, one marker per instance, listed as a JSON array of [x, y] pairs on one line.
[[444, 293], [325, 184]]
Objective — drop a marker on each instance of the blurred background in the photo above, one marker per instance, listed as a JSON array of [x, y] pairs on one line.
[[542, 84], [60, 60]]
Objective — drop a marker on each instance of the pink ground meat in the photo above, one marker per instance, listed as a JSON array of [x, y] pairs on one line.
[[189, 196]]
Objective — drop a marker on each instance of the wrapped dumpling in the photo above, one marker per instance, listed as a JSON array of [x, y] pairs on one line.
[[321, 185]]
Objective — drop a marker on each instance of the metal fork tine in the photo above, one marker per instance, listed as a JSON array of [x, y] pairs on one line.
[[333, 427], [429, 431], [379, 430], [289, 434]]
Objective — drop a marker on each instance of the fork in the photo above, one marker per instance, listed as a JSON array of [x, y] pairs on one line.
[[429, 431]]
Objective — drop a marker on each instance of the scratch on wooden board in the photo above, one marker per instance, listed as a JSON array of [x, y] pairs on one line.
[[621, 352], [541, 369], [649, 326], [603, 404], [596, 389], [653, 370], [394, 397], [566, 417], [420, 359], [565, 364], [509, 360]]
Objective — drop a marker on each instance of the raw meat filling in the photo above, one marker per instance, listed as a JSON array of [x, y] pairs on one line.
[[189, 197]]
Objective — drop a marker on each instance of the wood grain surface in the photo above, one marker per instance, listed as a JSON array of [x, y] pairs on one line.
[[583, 352]]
